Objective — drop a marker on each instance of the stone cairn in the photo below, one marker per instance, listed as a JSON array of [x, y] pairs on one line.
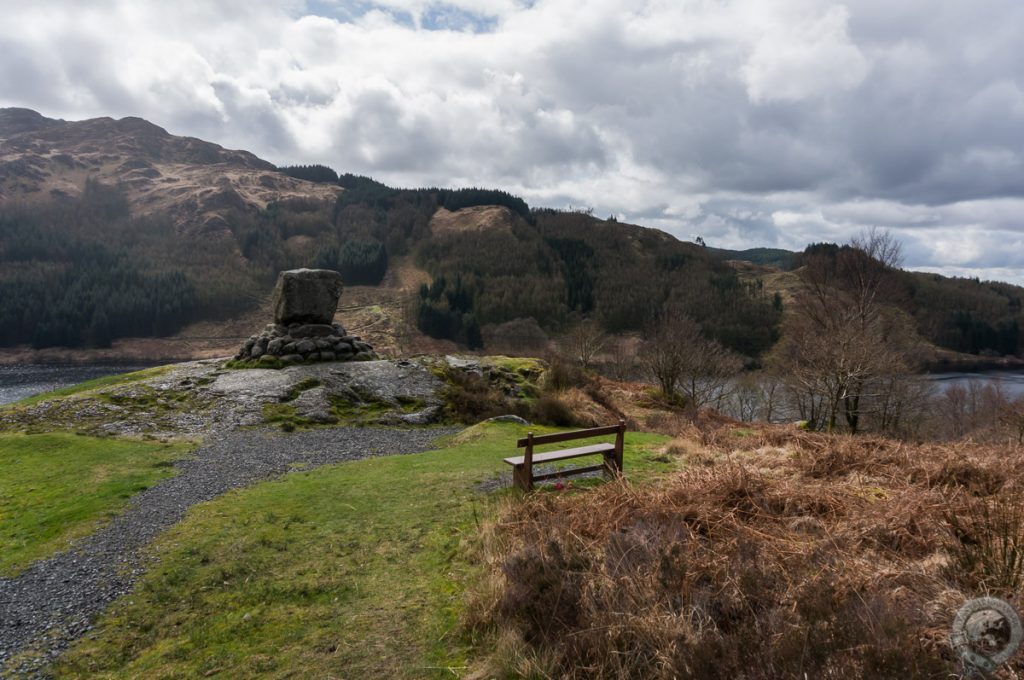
[[303, 330]]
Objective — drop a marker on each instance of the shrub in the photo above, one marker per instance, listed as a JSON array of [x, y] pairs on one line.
[[563, 375], [818, 556], [550, 410], [470, 398]]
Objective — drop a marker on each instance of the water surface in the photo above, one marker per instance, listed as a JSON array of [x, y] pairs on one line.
[[18, 381], [1010, 382]]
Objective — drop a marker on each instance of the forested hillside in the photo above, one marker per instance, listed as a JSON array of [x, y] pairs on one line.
[[963, 315], [164, 231]]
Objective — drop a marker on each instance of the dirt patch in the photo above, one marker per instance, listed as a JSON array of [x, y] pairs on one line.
[[477, 218]]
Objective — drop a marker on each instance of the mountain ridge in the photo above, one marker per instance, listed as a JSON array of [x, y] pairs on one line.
[[188, 179]]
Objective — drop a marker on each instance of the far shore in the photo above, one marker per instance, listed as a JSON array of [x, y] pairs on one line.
[[154, 351], [126, 351]]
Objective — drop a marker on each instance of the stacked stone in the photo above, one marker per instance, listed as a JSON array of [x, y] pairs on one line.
[[296, 343], [304, 304]]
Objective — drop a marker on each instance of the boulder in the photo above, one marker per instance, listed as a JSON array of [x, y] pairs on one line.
[[306, 296]]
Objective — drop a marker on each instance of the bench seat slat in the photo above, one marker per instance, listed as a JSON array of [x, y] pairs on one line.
[[564, 454], [574, 471]]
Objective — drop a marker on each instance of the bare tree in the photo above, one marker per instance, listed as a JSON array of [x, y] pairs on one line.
[[1011, 415], [622, 355], [708, 373], [584, 341], [684, 362], [769, 385], [843, 348], [745, 401], [664, 352], [755, 396]]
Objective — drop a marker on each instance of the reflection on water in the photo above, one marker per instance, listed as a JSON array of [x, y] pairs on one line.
[[24, 380], [1010, 382]]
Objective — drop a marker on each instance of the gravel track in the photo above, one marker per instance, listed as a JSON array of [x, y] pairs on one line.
[[54, 601]]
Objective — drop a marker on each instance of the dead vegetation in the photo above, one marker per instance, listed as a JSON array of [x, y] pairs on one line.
[[775, 554]]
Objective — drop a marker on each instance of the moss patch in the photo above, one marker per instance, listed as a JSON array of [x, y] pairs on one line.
[[302, 386]]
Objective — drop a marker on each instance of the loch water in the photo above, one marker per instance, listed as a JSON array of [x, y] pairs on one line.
[[1010, 382], [18, 381]]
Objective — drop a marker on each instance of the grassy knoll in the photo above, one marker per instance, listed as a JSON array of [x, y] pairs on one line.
[[94, 384], [54, 487], [349, 571]]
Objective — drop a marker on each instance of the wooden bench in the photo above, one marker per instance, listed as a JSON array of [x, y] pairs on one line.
[[522, 466]]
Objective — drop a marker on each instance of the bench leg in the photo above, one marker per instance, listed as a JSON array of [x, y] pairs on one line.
[[612, 468], [521, 478]]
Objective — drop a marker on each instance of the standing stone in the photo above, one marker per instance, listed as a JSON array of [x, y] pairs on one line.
[[303, 330], [306, 296]]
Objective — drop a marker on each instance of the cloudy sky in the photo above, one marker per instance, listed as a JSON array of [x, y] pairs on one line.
[[747, 122]]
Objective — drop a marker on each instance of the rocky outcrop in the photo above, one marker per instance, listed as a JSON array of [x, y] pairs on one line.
[[197, 398]]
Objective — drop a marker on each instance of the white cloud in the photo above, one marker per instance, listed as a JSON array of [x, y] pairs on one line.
[[746, 122], [803, 53]]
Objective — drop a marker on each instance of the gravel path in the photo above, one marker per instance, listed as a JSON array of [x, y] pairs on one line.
[[54, 601]]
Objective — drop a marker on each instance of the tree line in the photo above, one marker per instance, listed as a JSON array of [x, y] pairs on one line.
[[64, 291]]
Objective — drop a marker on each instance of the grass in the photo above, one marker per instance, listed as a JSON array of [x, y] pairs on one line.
[[55, 487], [95, 384], [355, 570]]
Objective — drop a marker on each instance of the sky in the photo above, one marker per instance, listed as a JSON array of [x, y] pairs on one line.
[[748, 123]]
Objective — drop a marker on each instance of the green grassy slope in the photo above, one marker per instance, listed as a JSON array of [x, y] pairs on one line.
[[350, 571], [55, 487]]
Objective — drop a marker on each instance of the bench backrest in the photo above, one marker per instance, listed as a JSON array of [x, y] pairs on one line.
[[530, 441], [569, 436]]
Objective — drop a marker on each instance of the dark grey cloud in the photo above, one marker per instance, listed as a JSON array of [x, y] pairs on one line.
[[745, 122]]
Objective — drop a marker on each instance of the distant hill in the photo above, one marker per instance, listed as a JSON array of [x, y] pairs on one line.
[[192, 182], [769, 257]]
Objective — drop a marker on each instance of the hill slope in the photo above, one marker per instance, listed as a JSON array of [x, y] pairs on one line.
[[115, 228], [191, 181]]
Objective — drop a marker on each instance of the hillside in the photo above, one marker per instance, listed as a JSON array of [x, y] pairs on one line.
[[192, 182], [118, 236]]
